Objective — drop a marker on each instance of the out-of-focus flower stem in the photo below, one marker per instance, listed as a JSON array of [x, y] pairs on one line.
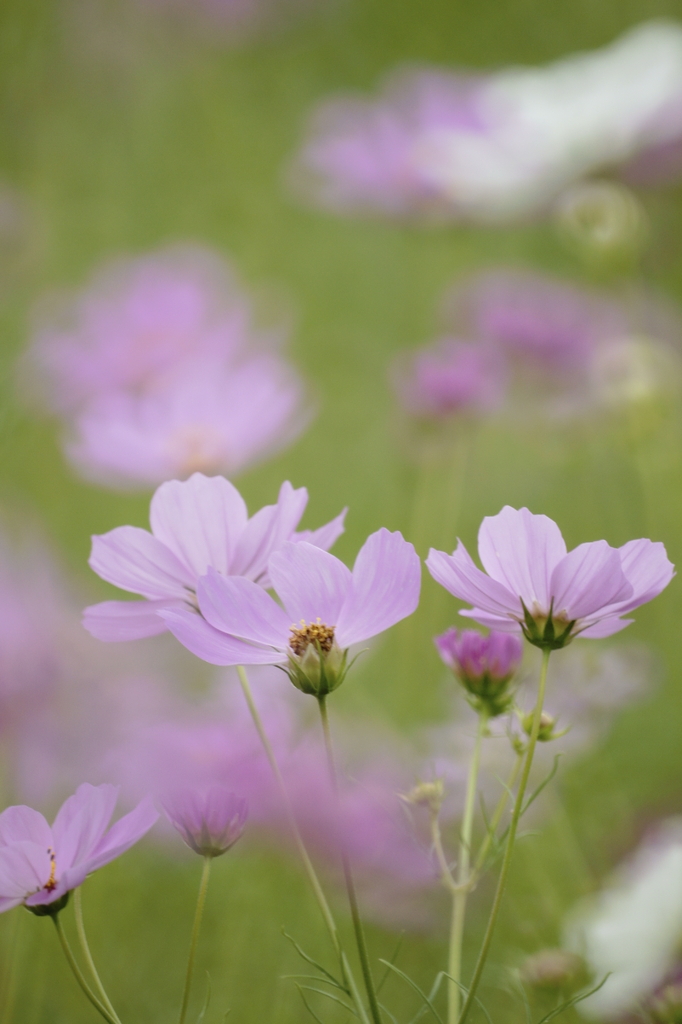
[[348, 875], [516, 815], [461, 892], [300, 846], [497, 816], [80, 928], [198, 914], [78, 975]]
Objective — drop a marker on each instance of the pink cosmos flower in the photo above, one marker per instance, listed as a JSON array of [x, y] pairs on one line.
[[212, 415], [448, 377], [210, 821], [495, 147], [197, 525], [531, 584], [136, 320], [330, 606], [484, 665], [40, 865]]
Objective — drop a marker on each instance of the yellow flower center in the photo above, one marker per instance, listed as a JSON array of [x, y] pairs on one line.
[[51, 883], [311, 633]]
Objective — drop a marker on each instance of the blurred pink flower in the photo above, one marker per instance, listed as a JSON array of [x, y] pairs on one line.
[[210, 415], [210, 820], [532, 585], [136, 320], [448, 377], [196, 525], [494, 147], [40, 865]]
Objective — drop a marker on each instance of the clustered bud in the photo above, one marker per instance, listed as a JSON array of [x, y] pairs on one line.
[[547, 726], [553, 970], [484, 665], [427, 794]]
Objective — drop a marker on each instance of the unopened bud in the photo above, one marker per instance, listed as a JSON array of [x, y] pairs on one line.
[[547, 725], [427, 794], [553, 969]]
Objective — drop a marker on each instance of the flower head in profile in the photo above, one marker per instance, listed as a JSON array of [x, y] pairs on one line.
[[449, 377], [40, 865], [210, 820], [213, 416], [196, 525], [484, 665], [533, 585], [326, 608]]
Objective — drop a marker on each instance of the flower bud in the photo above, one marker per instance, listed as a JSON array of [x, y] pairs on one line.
[[553, 970], [547, 725], [484, 665], [427, 794]]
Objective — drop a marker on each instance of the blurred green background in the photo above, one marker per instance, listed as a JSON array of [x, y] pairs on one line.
[[123, 133]]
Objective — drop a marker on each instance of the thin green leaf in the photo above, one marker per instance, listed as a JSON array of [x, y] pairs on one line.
[[545, 782], [308, 1006], [465, 990], [207, 999], [388, 1013], [415, 987], [574, 1000], [392, 960], [328, 995], [314, 963]]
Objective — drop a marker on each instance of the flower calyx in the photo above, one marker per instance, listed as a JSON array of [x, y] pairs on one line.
[[547, 726], [548, 632], [426, 794], [49, 909], [316, 664]]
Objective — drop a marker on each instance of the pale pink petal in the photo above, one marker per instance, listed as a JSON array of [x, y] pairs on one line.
[[588, 579], [242, 609], [385, 587], [81, 822], [126, 620], [458, 574], [123, 834], [7, 903], [24, 868], [211, 645], [310, 582], [646, 566], [521, 550], [325, 536], [267, 531], [200, 520], [21, 823], [132, 559], [604, 628], [502, 623]]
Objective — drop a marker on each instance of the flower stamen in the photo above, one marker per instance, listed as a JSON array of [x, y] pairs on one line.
[[51, 883], [316, 633]]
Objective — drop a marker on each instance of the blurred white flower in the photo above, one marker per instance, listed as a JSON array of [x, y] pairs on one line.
[[632, 930]]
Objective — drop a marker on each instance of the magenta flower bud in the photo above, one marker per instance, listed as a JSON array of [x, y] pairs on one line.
[[484, 665], [210, 821]]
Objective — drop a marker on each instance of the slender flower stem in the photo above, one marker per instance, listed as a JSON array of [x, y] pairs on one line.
[[459, 896], [497, 814], [198, 914], [80, 928], [445, 872], [348, 875], [516, 814], [77, 973], [300, 846]]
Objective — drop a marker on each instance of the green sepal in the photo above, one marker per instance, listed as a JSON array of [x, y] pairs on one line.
[[317, 673], [548, 638], [50, 909]]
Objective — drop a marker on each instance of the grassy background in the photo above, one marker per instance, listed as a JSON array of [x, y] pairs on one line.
[[123, 133]]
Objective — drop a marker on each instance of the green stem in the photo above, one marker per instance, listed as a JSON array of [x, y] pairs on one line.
[[300, 846], [78, 974], [460, 895], [348, 875], [198, 914], [497, 814], [516, 814], [80, 928]]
